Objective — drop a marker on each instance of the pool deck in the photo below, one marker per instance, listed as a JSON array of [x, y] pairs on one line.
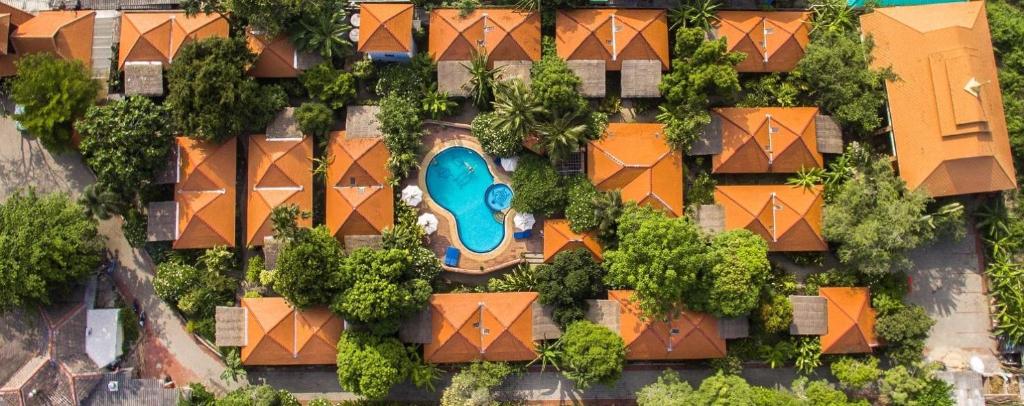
[[510, 251]]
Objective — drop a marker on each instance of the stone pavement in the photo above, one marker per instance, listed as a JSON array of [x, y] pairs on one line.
[[947, 281]]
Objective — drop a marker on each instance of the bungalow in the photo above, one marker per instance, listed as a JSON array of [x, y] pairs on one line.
[[559, 237], [10, 19], [385, 31], [787, 217], [150, 40], [66, 34], [272, 332], [948, 127], [280, 173], [842, 316], [360, 201], [278, 57], [774, 41], [635, 159]]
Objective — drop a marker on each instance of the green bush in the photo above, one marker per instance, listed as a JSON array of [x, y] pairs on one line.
[[54, 93], [905, 331], [592, 354], [315, 119], [669, 390], [580, 210], [903, 386], [538, 187], [775, 314], [258, 395], [400, 122], [739, 271], [856, 374], [493, 139], [196, 291], [572, 278], [379, 288], [407, 80], [476, 384], [369, 365], [255, 267], [307, 266], [332, 87], [702, 191]]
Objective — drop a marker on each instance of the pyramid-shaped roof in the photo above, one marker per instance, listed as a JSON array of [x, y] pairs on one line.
[[787, 217], [359, 199], [275, 57], [767, 140], [280, 174], [67, 34], [503, 34], [851, 321], [946, 109], [279, 334], [559, 237], [634, 158], [205, 194], [385, 27], [157, 36], [774, 41], [612, 35], [481, 326], [688, 335]]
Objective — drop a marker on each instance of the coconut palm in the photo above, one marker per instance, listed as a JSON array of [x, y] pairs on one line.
[[607, 209], [481, 81], [694, 14], [437, 104], [324, 33], [100, 202], [562, 136], [516, 108]]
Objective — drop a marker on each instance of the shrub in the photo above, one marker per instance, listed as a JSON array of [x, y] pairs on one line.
[[54, 93], [400, 124], [903, 386], [254, 268], [856, 374], [493, 139], [332, 87], [258, 395], [407, 80], [306, 267], [197, 290], [580, 210], [379, 288], [369, 365], [572, 278], [538, 187], [475, 384], [314, 119], [592, 354], [905, 331], [669, 390], [775, 314], [739, 271]]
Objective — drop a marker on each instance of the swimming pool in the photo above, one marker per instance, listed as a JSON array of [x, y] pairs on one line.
[[459, 181]]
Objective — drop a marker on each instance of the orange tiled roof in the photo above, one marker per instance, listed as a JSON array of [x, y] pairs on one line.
[[359, 199], [587, 34], [18, 16], [275, 58], [280, 173], [67, 34], [634, 158], [481, 326], [851, 321], [504, 34], [157, 37], [205, 193], [690, 335], [767, 139], [946, 110], [559, 237], [279, 334], [774, 41], [385, 27], [787, 217]]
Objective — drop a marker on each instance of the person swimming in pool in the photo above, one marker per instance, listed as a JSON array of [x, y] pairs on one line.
[[469, 167]]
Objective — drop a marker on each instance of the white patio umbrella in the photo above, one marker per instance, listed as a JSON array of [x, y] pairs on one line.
[[412, 195], [428, 221], [510, 164], [523, 221]]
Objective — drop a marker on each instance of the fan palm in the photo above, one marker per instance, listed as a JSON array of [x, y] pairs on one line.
[[481, 81], [694, 14], [516, 108], [100, 202], [562, 136], [324, 34]]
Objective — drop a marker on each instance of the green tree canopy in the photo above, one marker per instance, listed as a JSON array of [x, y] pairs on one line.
[[379, 287], [564, 121], [538, 187], [306, 267], [126, 143], [264, 395], [581, 208], [592, 354], [54, 93], [476, 384], [399, 120], [369, 365], [197, 290], [572, 278], [700, 69], [211, 98], [738, 271], [47, 243], [329, 86], [314, 119], [494, 139]]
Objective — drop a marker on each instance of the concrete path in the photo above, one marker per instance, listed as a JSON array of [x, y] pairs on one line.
[[24, 163]]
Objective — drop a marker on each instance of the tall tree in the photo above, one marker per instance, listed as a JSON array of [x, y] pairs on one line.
[[99, 201], [306, 267], [738, 269], [53, 93], [370, 365], [379, 288], [516, 109], [572, 278]]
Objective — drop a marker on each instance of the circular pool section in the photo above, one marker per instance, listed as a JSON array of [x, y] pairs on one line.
[[459, 180], [498, 196]]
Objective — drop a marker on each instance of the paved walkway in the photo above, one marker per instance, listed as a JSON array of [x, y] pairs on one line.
[[25, 163]]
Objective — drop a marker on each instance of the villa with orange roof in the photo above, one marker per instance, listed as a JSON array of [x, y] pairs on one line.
[[948, 126], [787, 217], [687, 335], [158, 36], [278, 57], [774, 41], [273, 333], [559, 237], [635, 159], [385, 31], [509, 38], [280, 174], [67, 34], [360, 201], [842, 316], [633, 42], [10, 19]]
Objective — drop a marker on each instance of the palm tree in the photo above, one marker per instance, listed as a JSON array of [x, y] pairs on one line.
[[100, 202], [528, 5], [516, 108], [562, 136], [324, 33], [833, 16], [548, 352], [481, 81], [607, 209], [694, 14], [436, 103], [233, 366], [806, 178]]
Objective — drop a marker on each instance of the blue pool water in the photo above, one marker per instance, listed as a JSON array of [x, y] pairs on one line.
[[458, 179]]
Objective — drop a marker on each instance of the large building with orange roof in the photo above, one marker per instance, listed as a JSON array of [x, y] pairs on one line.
[[767, 140], [278, 57], [360, 202], [688, 335], [67, 34], [280, 173], [157, 36], [787, 217], [273, 333], [633, 41], [559, 237], [851, 321], [205, 194], [501, 34], [773, 41], [465, 327], [635, 159], [946, 112], [385, 31]]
